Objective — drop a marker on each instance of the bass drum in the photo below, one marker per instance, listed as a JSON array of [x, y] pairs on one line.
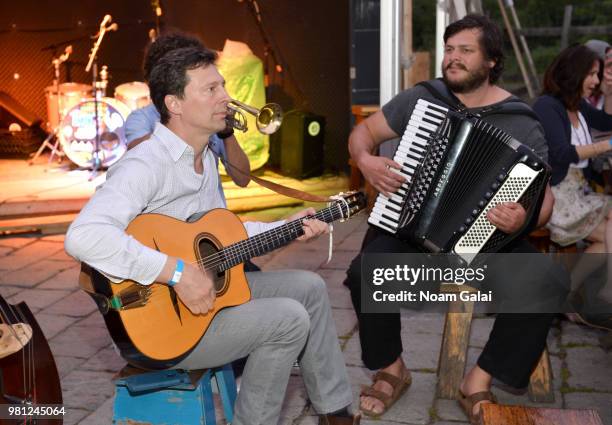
[[70, 94], [78, 132]]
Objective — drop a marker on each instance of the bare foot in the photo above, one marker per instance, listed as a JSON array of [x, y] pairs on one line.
[[398, 369]]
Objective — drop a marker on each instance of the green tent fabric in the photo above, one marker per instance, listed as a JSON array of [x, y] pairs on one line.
[[244, 81]]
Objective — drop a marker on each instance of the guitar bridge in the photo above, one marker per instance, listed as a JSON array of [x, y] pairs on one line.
[[133, 296]]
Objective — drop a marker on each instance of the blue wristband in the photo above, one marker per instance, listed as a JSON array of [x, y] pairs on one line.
[[610, 142], [178, 272]]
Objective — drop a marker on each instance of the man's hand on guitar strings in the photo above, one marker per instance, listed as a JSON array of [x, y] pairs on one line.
[[196, 290], [508, 217], [311, 226]]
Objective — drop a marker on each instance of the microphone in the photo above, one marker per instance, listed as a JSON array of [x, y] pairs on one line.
[[67, 52], [106, 20]]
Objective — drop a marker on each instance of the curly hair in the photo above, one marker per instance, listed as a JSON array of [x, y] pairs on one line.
[[565, 75], [491, 40], [169, 75], [164, 44]]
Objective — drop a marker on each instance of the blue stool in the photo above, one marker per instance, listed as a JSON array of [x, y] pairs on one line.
[[173, 396]]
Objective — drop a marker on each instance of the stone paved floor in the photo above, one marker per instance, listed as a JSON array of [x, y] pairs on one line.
[[36, 270]]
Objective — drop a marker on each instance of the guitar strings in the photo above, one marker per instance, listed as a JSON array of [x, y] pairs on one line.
[[230, 252], [234, 251], [29, 387]]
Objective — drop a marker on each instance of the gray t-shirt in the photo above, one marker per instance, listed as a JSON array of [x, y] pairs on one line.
[[523, 128]]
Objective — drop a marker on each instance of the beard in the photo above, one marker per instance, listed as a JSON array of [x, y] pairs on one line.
[[472, 81]]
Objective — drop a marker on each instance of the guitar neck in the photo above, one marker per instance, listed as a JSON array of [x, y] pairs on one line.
[[270, 240]]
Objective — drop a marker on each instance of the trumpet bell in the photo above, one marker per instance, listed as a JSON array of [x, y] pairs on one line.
[[268, 119]]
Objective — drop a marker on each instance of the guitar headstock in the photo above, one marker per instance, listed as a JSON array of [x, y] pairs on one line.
[[350, 203]]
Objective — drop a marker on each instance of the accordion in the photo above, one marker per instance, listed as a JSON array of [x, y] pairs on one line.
[[457, 168]]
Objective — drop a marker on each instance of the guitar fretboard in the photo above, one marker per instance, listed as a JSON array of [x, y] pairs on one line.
[[267, 241]]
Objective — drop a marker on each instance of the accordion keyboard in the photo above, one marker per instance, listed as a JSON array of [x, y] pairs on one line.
[[424, 121]]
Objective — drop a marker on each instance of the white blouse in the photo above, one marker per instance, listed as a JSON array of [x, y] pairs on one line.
[[581, 137]]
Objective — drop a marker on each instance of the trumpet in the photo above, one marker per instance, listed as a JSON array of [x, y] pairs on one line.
[[268, 118]]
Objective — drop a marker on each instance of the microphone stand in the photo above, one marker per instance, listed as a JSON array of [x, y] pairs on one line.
[[54, 132], [95, 157]]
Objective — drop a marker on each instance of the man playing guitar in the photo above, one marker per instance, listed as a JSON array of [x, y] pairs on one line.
[[174, 174]]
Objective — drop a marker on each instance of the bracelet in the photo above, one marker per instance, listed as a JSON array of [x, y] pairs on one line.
[[610, 142], [178, 272], [225, 133]]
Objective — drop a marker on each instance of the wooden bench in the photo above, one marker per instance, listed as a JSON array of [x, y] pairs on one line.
[[453, 353], [455, 339], [497, 414]]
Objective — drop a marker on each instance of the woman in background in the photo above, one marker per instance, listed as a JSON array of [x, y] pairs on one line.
[[578, 213]]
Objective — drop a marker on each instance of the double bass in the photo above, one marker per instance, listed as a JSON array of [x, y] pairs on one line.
[[28, 374]]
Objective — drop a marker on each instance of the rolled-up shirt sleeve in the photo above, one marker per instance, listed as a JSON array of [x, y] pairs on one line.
[[140, 123], [97, 236]]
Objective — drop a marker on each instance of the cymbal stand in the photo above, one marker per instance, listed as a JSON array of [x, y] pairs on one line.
[[54, 133], [96, 162]]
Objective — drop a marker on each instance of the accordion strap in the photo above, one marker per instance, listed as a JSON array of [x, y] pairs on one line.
[[440, 91]]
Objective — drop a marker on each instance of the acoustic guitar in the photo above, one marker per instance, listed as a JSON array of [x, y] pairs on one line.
[[148, 323]]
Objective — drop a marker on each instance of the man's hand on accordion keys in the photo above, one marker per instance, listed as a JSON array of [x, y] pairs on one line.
[[508, 217], [382, 173]]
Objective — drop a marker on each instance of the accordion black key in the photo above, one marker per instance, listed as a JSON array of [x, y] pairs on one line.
[[458, 167]]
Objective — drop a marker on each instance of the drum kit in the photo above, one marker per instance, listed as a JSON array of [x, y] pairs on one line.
[[88, 127], [71, 112], [84, 124]]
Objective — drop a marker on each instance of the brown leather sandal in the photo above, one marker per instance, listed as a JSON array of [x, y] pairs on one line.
[[399, 385], [467, 404]]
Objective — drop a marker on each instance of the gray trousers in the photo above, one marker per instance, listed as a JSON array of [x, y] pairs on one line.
[[288, 319]]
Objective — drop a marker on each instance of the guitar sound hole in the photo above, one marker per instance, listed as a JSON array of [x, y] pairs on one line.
[[205, 249]]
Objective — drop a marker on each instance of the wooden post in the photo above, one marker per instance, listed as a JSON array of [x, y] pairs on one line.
[[532, 68], [540, 383], [517, 51], [455, 339], [567, 23], [407, 59]]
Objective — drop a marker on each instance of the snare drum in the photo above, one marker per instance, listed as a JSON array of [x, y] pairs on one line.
[[78, 131], [70, 94], [135, 94]]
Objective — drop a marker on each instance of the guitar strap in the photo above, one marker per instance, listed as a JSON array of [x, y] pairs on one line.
[[291, 193]]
